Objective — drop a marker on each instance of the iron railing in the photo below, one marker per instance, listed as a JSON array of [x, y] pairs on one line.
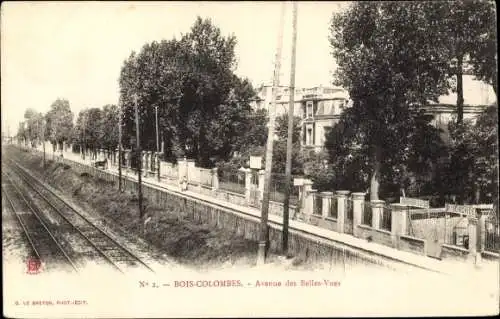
[[367, 214], [232, 180]]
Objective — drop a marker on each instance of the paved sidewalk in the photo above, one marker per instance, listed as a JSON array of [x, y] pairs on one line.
[[443, 266]]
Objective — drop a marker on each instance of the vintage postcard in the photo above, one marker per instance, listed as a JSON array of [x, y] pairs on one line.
[[249, 159]]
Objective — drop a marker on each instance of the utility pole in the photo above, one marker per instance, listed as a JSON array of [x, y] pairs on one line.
[[139, 159], [43, 140], [289, 141], [157, 144], [84, 147], [264, 235], [120, 115]]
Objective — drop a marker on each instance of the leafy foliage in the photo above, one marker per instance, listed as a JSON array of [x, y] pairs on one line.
[[59, 122], [467, 30], [33, 125], [472, 171], [388, 61], [202, 105]]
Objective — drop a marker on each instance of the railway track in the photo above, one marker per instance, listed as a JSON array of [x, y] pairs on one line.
[[106, 247], [42, 241]]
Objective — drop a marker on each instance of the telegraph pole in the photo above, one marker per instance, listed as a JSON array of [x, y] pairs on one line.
[[157, 144], [264, 235], [84, 147], [289, 141], [120, 115], [43, 140], [139, 159]]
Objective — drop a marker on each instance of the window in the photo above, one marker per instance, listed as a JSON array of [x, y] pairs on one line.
[[309, 109], [309, 136]]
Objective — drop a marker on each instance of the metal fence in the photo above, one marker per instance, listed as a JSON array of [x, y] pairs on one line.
[[334, 207], [492, 236], [385, 218], [232, 180], [206, 177], [367, 214], [318, 204], [278, 189]]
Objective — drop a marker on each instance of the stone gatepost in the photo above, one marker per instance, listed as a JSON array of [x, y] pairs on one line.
[[215, 179], [482, 231], [309, 205], [144, 166], [303, 208], [151, 162], [341, 209], [399, 222], [248, 184], [473, 229], [190, 169], [358, 203], [377, 211], [327, 204], [127, 157], [182, 169], [262, 180]]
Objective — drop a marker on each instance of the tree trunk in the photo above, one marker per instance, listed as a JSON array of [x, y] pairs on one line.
[[375, 179], [477, 193], [495, 86], [460, 90]]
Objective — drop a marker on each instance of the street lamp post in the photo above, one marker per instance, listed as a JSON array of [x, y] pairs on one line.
[[157, 144], [43, 141], [120, 146], [139, 162]]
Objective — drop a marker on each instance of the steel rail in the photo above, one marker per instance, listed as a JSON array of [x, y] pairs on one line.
[[26, 175], [44, 226]]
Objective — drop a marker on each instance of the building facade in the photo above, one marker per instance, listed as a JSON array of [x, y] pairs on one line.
[[319, 109], [478, 95]]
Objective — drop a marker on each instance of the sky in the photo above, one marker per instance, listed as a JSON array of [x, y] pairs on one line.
[[75, 50]]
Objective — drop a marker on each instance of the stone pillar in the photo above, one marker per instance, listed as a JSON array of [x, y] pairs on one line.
[[144, 165], [262, 180], [190, 169], [472, 228], [377, 211], [309, 204], [341, 209], [248, 184], [327, 206], [399, 222], [147, 163], [215, 179], [358, 203], [126, 155], [182, 169], [304, 209], [481, 232]]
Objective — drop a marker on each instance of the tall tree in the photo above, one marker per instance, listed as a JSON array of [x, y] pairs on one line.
[[192, 82], [59, 122], [388, 61], [468, 39], [33, 120], [108, 127], [282, 128]]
